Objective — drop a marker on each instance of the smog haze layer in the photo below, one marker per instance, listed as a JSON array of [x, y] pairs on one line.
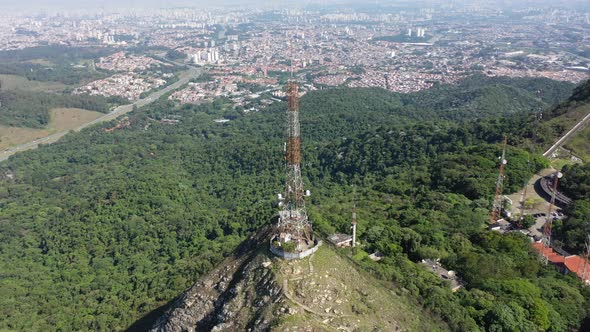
[[113, 4]]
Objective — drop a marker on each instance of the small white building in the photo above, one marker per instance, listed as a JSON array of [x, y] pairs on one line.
[[340, 240]]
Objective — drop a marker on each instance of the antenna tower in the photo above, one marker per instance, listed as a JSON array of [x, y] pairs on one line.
[[523, 195], [585, 272], [293, 221], [549, 219], [293, 238], [497, 205], [353, 226], [538, 117]]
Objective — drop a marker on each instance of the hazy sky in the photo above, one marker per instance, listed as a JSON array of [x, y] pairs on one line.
[[77, 4], [97, 3]]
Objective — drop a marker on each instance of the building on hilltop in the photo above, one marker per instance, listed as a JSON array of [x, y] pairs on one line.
[[564, 262], [345, 240], [434, 266], [340, 240]]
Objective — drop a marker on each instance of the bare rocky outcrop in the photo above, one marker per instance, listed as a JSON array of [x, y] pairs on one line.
[[240, 295]]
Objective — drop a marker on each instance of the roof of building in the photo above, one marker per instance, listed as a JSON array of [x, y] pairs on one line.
[[339, 238], [556, 258], [573, 263], [501, 225], [548, 252], [577, 265]]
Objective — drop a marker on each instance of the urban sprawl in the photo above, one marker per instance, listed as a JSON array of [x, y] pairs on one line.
[[248, 51]]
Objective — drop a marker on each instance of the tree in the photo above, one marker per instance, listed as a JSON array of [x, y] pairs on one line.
[[527, 221]]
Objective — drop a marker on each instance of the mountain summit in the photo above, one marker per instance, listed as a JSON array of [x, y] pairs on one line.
[[256, 291]]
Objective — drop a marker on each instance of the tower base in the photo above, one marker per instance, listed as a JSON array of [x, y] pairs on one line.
[[300, 250]]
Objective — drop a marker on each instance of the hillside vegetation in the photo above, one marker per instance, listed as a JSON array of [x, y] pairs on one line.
[[562, 118], [101, 228], [573, 233], [328, 293], [580, 143], [480, 96]]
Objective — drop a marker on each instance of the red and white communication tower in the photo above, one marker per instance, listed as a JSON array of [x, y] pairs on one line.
[[294, 225], [546, 240], [497, 205]]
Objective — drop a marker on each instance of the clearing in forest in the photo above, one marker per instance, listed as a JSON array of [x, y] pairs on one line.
[[15, 82], [61, 119]]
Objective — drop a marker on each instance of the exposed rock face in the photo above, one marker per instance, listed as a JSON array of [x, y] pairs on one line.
[[240, 295]]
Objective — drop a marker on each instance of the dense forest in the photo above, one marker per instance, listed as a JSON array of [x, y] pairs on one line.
[[479, 96], [575, 183], [101, 228]]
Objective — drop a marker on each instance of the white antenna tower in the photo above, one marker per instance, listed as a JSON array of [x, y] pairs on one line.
[[585, 276], [354, 226]]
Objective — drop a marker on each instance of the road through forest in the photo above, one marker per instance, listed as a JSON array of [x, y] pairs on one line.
[[184, 78]]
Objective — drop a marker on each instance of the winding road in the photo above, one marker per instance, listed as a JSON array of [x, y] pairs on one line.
[[184, 77]]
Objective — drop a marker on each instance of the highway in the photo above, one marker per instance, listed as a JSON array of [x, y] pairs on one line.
[[184, 78], [567, 135]]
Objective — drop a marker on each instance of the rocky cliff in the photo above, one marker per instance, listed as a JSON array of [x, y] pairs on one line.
[[240, 295]]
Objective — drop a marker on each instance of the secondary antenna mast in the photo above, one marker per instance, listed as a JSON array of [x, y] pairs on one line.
[[523, 195], [497, 205], [585, 272], [538, 117], [354, 226], [549, 219]]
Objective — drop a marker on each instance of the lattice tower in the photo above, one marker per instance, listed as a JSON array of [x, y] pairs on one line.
[[585, 273], [497, 205], [293, 218], [546, 240]]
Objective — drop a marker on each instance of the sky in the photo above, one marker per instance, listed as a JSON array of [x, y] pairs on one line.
[[81, 4], [95, 3], [78, 4], [115, 3]]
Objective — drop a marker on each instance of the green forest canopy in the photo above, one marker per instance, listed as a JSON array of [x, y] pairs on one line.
[[573, 233], [101, 228]]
